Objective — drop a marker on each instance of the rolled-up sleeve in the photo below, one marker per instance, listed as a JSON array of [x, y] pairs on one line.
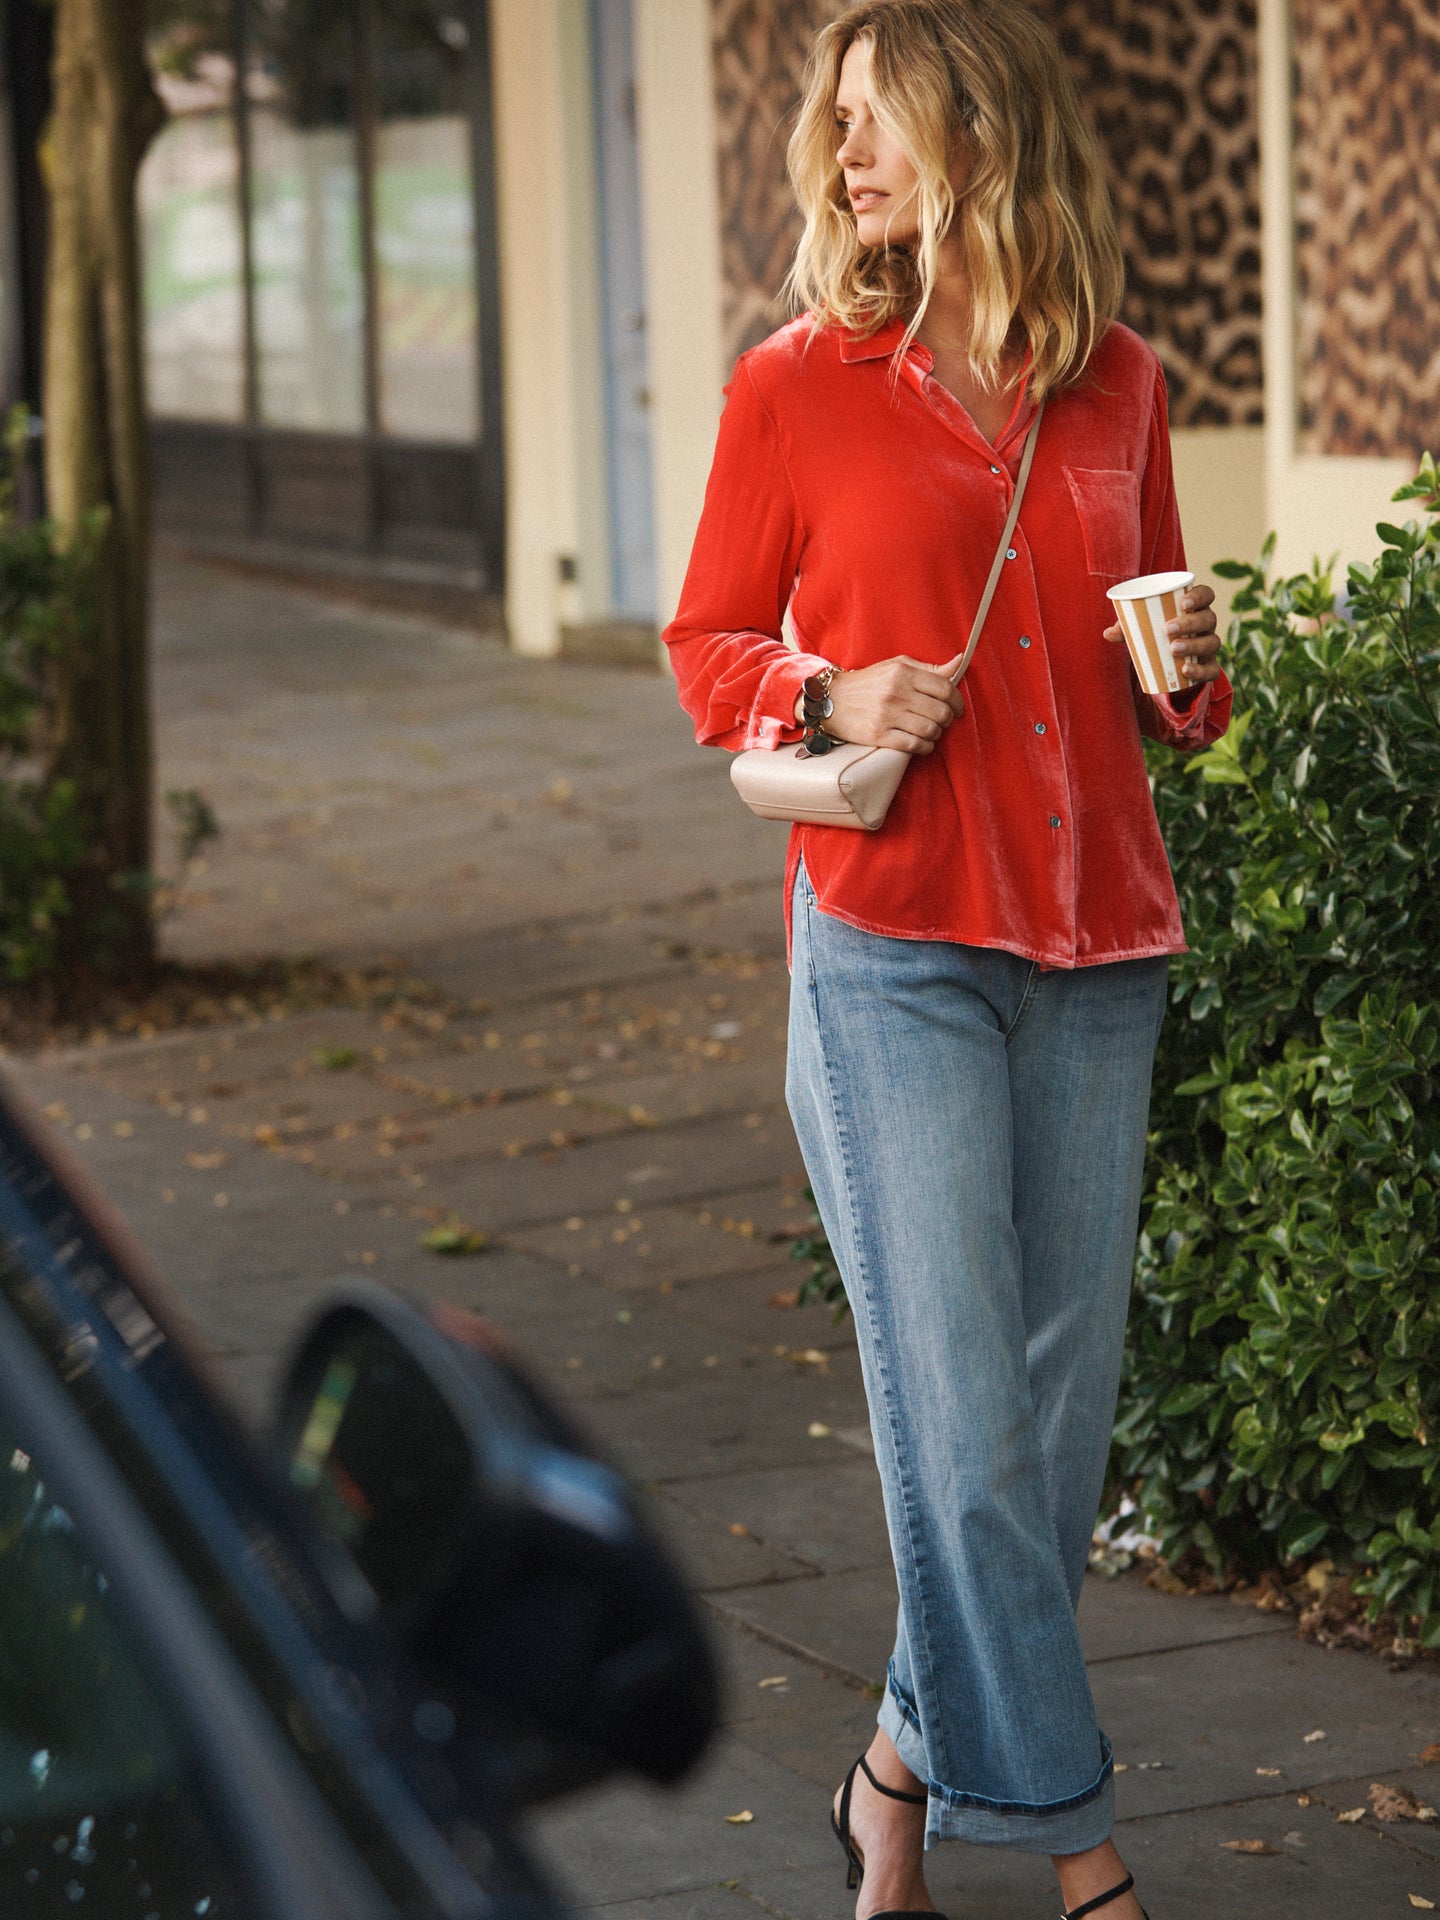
[[1199, 716], [735, 675]]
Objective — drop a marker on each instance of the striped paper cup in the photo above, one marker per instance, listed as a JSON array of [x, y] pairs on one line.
[[1144, 605]]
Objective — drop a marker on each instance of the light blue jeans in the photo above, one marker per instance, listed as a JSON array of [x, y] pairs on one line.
[[974, 1131]]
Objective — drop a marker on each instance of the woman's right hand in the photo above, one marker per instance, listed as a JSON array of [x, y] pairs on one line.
[[896, 703]]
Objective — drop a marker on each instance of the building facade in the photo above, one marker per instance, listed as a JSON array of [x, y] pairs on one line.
[[448, 290], [1274, 167]]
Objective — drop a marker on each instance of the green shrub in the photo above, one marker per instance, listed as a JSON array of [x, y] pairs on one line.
[[1282, 1380], [44, 603]]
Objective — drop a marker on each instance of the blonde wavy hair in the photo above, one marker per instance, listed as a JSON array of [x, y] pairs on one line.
[[1035, 222]]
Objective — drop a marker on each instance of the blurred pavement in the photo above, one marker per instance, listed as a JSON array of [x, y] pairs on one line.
[[601, 1092]]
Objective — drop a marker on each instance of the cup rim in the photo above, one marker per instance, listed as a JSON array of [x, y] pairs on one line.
[[1146, 585]]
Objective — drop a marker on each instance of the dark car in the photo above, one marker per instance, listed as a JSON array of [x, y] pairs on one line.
[[318, 1683]]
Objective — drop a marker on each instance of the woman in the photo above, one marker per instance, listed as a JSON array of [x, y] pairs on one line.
[[978, 987]]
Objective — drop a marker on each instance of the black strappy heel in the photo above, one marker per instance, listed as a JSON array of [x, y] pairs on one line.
[[854, 1861], [1102, 1900]]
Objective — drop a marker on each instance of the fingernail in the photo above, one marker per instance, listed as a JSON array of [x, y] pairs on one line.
[[1172, 626], [1188, 604]]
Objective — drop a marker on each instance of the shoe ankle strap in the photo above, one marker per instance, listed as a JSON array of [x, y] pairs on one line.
[[894, 1793], [1100, 1900]]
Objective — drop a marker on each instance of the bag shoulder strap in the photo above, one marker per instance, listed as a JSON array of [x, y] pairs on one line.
[[998, 562]]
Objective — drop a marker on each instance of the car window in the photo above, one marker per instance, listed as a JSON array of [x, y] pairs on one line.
[[101, 1808]]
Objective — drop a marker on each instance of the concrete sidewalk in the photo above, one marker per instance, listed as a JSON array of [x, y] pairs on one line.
[[600, 1090]]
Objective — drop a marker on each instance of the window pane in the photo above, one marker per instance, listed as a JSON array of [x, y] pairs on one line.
[[190, 234], [424, 225], [100, 1809], [305, 218]]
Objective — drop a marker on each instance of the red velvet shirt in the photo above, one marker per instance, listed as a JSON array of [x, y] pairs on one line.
[[872, 510]]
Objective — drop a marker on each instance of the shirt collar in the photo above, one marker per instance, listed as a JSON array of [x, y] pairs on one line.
[[874, 346]]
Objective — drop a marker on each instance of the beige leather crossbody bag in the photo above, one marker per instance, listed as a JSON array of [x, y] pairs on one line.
[[852, 786]]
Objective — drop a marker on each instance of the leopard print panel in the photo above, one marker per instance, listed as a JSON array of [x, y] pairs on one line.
[[1173, 93], [1367, 225]]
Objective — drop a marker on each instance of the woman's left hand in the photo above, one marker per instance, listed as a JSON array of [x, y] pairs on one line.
[[1193, 639]]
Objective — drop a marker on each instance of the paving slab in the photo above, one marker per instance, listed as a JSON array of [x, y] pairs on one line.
[[826, 1512], [1317, 1870], [1120, 1618], [1423, 1783], [846, 1621], [706, 1157], [703, 1903], [632, 947], [714, 1556], [686, 1242], [725, 1425], [1195, 1709], [627, 1842]]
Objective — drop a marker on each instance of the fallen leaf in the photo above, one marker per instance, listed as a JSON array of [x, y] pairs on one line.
[[1349, 1819], [1389, 1803], [1419, 1900], [454, 1238], [1429, 1755], [788, 1297], [774, 1680], [1302, 1799], [817, 1430], [335, 1058], [1320, 1576], [1268, 1773], [1162, 1580], [206, 1162], [740, 1819], [739, 1529], [1311, 1738], [1248, 1846]]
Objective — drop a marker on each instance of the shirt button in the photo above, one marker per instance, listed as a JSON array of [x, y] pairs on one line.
[[994, 469], [1024, 639], [1010, 553], [1054, 819], [1039, 726]]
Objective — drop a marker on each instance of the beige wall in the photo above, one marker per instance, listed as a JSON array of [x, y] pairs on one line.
[[556, 502], [680, 208], [1220, 483], [555, 507]]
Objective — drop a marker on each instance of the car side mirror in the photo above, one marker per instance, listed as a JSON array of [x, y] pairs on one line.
[[509, 1559]]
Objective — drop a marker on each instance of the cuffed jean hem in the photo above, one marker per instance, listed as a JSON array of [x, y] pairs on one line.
[[1069, 1826]]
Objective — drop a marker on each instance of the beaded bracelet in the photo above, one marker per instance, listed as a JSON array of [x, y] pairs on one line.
[[816, 708]]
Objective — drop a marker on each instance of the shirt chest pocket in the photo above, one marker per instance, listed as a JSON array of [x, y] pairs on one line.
[[1107, 500]]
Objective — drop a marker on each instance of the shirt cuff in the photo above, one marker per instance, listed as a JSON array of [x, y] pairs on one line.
[[1185, 712], [772, 721]]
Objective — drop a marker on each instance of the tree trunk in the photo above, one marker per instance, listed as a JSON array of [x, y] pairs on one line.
[[96, 456]]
